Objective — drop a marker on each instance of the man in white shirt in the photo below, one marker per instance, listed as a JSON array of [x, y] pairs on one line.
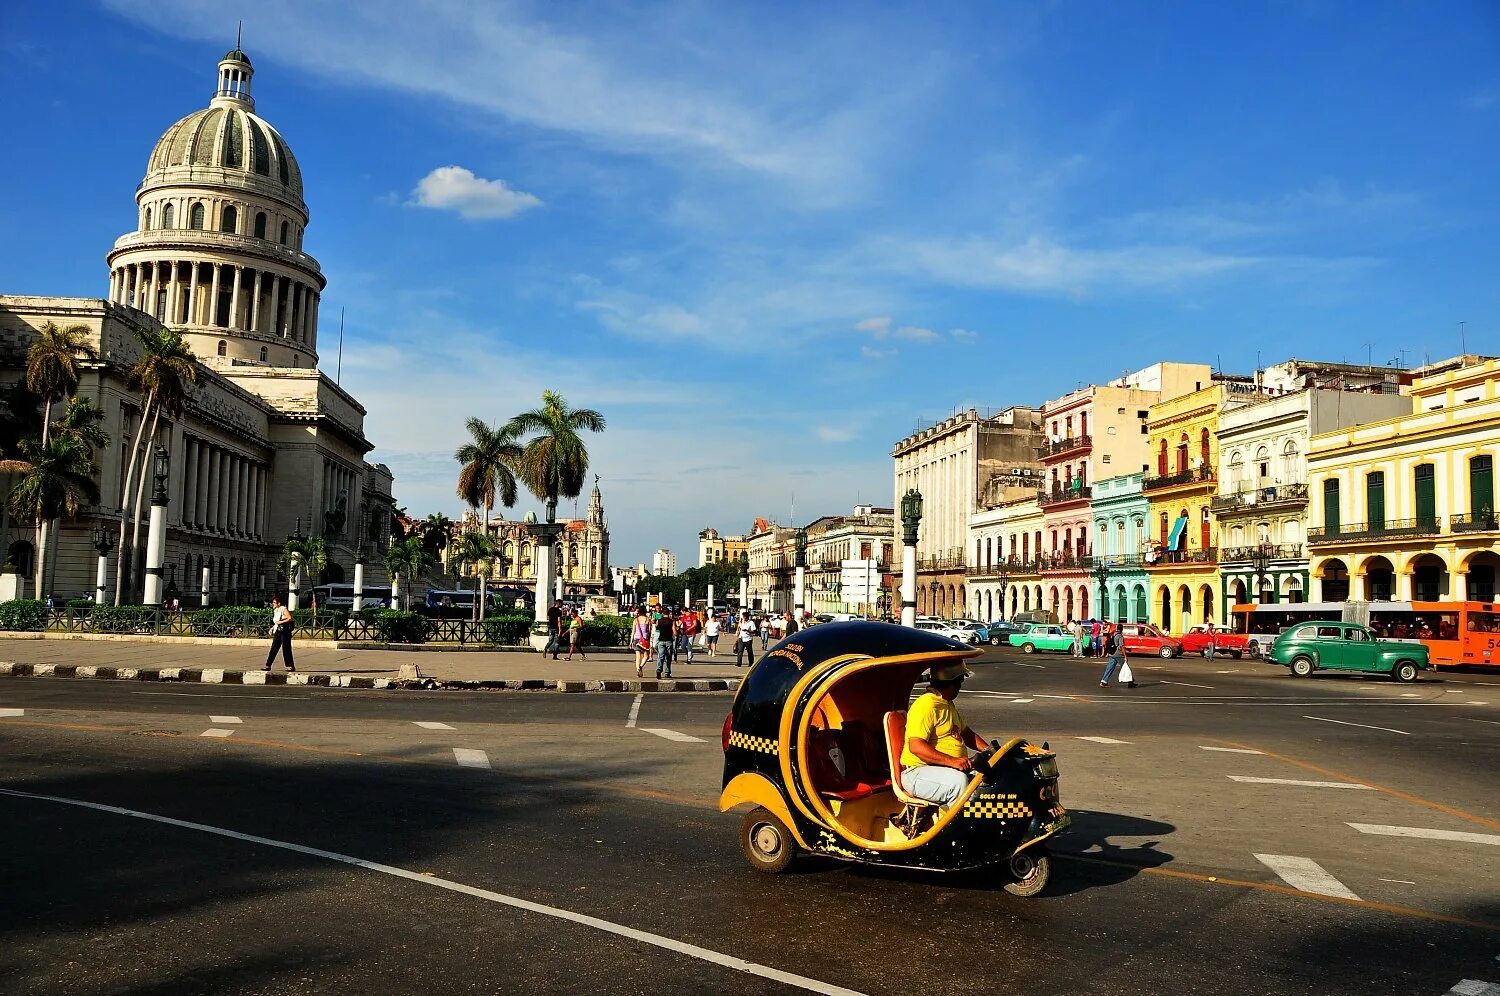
[[711, 634], [745, 644]]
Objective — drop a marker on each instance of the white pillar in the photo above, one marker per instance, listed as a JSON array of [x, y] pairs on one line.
[[558, 584], [359, 583], [687, 598], [101, 575], [255, 302], [203, 591], [156, 548], [213, 301], [909, 584], [544, 577], [294, 583], [799, 592], [194, 305], [710, 599], [234, 300], [744, 592]]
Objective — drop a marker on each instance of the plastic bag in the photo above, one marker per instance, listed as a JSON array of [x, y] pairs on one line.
[[1126, 676]]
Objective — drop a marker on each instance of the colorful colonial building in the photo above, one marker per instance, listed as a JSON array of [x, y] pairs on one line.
[[1120, 515]]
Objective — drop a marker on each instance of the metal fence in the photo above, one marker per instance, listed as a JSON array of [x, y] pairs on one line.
[[139, 620]]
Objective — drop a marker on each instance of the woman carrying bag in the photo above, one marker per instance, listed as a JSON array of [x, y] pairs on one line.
[[281, 635]]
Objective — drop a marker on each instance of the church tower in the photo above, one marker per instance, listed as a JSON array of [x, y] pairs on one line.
[[218, 251]]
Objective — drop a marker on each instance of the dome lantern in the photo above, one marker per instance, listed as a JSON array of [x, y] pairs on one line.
[[235, 72]]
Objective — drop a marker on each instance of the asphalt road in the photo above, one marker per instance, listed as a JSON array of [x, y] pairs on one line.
[[603, 806]]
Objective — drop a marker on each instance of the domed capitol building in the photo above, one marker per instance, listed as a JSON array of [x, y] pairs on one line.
[[268, 447]]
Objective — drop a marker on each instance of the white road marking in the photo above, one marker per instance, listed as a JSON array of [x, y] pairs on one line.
[[225, 720], [432, 881], [217, 733], [1044, 695], [1103, 740], [635, 710], [1462, 836], [673, 735], [1383, 729], [1227, 672], [1474, 987], [1454, 691], [1020, 701], [1398, 881], [1185, 684], [1489, 721], [467, 758], [12, 712], [1231, 750], [220, 695], [429, 725], [1042, 666], [1411, 695], [1476, 703], [1297, 781], [1305, 874]]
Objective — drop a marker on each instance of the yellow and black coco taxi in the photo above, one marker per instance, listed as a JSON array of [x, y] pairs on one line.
[[813, 744]]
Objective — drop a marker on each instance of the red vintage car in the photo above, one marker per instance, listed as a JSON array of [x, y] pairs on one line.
[[1195, 641], [1146, 639]]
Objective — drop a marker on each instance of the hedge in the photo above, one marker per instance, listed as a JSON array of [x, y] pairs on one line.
[[23, 614], [510, 630], [606, 631], [121, 618], [396, 626]]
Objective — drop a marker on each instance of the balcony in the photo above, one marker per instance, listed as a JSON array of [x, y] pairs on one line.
[[1390, 529], [1198, 475], [1276, 551], [1057, 447], [1067, 560], [1058, 495], [1183, 558], [1256, 498], [1121, 561], [1481, 523], [1005, 569]]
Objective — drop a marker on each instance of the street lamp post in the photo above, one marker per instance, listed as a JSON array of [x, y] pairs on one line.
[[911, 519], [932, 596], [1260, 562], [799, 544], [744, 582], [156, 534], [103, 543], [1101, 574], [1003, 581]]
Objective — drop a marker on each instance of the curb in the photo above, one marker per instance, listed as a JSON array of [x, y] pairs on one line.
[[219, 676]]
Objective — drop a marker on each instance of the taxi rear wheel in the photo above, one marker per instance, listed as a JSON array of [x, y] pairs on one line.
[[767, 843], [1405, 672], [1028, 648], [1166, 653], [1302, 667], [1030, 871]]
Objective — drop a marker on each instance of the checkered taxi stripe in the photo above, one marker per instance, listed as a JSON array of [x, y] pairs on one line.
[[1004, 808], [745, 741]]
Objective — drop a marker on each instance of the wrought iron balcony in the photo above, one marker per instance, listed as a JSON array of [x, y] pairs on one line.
[[1068, 445], [1195, 476], [1348, 532], [1471, 523], [1253, 498], [1273, 551], [1173, 558], [1067, 560], [1060, 494]]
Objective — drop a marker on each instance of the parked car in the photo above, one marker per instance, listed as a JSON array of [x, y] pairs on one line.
[[1145, 639], [1000, 631], [943, 629], [1340, 646], [1195, 641], [1034, 616], [977, 631], [1042, 636]]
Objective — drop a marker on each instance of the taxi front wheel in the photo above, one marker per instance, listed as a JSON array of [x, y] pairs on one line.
[[767, 843], [1030, 871]]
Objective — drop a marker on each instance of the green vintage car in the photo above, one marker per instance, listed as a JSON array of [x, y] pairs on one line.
[[1340, 646], [1042, 636]]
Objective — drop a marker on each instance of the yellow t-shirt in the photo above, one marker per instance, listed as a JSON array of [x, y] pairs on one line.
[[937, 721]]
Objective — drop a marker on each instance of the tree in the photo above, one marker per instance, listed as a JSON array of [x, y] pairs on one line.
[[480, 551], [437, 533], [84, 423], [57, 479], [52, 365], [488, 473], [405, 559], [555, 462], [299, 553], [161, 377]]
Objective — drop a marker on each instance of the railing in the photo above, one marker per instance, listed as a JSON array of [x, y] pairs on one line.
[[1007, 568], [1273, 551], [1195, 475], [1062, 494], [1113, 560], [941, 563], [1067, 560], [1203, 555], [1468, 523], [206, 237], [1056, 446], [1375, 530], [1259, 497]]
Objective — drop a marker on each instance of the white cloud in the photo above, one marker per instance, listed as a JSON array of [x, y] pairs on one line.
[[832, 434], [871, 353], [964, 335], [915, 333], [877, 325], [453, 188]]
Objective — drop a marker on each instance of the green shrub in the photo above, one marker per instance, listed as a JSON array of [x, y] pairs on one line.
[[23, 614], [396, 626], [121, 618], [510, 630], [79, 603], [606, 631], [231, 620], [326, 618]]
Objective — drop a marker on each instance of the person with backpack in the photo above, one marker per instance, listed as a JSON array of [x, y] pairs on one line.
[[281, 635]]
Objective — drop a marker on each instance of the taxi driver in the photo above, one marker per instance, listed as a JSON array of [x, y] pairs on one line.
[[935, 759]]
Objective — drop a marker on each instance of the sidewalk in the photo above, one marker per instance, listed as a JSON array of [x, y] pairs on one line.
[[240, 664]]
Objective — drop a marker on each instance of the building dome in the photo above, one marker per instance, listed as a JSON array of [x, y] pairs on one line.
[[228, 138]]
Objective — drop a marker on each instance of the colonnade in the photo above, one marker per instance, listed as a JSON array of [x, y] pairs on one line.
[[222, 296], [222, 491], [339, 479]]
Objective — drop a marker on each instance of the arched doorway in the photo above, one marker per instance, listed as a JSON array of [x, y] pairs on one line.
[[23, 555], [1206, 600], [1068, 602], [1120, 605], [1184, 608], [1429, 578], [1025, 601], [1479, 584], [1380, 579], [1083, 602], [1335, 578], [1238, 592], [1140, 614], [989, 602], [1166, 608]]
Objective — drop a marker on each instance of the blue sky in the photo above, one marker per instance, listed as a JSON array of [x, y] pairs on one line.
[[765, 238]]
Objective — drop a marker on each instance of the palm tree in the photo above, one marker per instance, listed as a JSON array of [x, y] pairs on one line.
[[52, 365], [57, 479], [83, 422], [161, 376], [555, 462], [405, 559], [488, 473], [300, 553], [437, 533], [476, 549]]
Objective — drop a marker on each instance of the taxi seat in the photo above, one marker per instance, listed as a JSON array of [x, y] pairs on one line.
[[841, 763], [895, 742]]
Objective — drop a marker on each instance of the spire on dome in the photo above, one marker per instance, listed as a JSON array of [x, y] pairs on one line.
[[596, 504]]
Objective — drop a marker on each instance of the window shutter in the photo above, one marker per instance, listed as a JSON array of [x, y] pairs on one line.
[[1481, 487], [1426, 494], [1375, 498], [1331, 506]]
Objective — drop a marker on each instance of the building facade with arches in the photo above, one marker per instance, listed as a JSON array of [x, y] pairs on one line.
[[1404, 508], [580, 554], [1120, 516]]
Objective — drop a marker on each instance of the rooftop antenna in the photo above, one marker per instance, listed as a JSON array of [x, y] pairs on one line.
[[338, 371], [1463, 342], [239, 29]]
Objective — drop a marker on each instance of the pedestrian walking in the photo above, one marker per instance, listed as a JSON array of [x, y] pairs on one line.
[[1076, 632], [640, 640], [688, 632], [711, 635], [281, 635], [765, 633], [554, 629], [666, 638], [744, 646], [1208, 648], [1096, 639], [791, 626], [575, 637], [1115, 647]]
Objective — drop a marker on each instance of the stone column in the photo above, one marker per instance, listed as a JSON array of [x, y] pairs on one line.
[[234, 300], [189, 480], [200, 489], [246, 472], [156, 548], [276, 326], [213, 300], [312, 324], [172, 293], [195, 306], [150, 308], [255, 301], [226, 487], [215, 482]]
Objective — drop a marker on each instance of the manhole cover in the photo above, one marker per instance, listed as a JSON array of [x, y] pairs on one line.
[[156, 733]]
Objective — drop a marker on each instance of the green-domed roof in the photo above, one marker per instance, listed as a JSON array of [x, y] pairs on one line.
[[228, 138], [235, 55]]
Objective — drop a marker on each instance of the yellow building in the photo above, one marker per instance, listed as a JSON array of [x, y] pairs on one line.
[[1404, 509], [1181, 480]]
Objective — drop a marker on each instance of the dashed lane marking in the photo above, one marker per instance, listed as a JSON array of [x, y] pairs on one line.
[[1474, 987], [1305, 874], [468, 758], [12, 712], [1364, 726], [431, 881], [1461, 836], [1411, 695], [225, 720], [429, 725], [1231, 750], [673, 735], [1185, 684], [1020, 701], [1304, 783], [635, 710], [217, 733], [1398, 881], [1103, 740], [1235, 671], [1042, 666]]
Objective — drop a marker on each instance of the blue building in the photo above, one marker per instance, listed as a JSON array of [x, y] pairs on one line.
[[1120, 514]]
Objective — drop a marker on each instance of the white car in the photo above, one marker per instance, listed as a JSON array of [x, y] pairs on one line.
[[943, 629], [969, 627]]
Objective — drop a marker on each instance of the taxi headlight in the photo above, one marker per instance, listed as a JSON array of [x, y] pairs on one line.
[[1047, 767]]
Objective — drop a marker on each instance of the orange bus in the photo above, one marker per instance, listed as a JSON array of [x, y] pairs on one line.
[[1455, 633]]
